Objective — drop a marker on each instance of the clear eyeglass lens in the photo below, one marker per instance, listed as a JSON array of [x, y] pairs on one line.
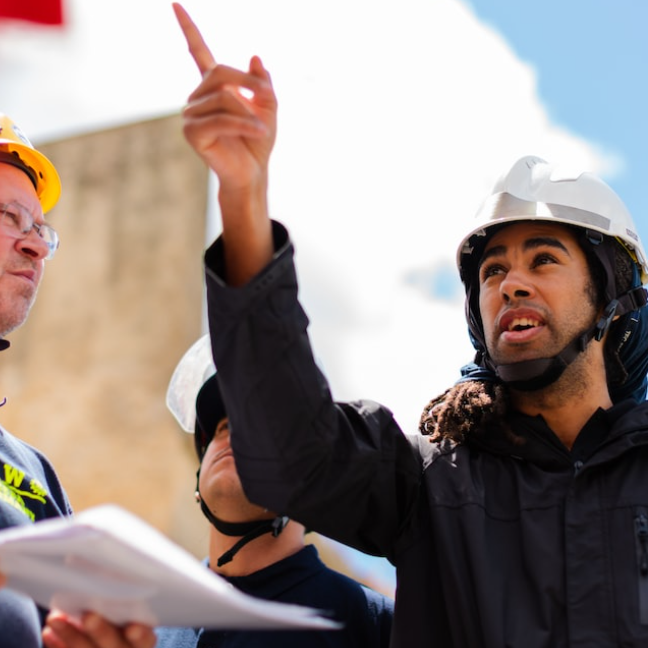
[[49, 235], [19, 221]]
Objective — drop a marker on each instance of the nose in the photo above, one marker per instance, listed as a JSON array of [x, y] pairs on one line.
[[516, 285], [33, 246]]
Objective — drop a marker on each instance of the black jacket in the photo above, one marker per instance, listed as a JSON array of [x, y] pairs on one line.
[[496, 543]]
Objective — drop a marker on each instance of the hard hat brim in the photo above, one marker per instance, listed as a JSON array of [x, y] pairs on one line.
[[48, 186]]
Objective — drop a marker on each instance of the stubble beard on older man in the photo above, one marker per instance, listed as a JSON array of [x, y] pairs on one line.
[[15, 308]]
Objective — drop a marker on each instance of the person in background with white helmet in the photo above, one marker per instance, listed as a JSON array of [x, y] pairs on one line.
[[518, 516], [29, 487], [257, 551]]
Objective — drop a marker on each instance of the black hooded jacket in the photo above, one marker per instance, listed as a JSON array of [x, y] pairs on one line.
[[497, 542]]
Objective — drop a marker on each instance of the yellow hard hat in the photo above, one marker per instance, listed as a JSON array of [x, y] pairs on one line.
[[41, 171]]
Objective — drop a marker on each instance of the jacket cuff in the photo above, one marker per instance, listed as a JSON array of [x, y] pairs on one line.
[[215, 258]]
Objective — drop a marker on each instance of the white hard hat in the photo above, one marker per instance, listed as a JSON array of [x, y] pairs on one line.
[[533, 189], [193, 370]]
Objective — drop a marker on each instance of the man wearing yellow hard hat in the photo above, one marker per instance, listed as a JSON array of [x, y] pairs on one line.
[[29, 488]]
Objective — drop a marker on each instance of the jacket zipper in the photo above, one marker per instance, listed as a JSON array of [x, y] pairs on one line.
[[641, 542]]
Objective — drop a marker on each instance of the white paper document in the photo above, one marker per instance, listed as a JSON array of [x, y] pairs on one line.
[[109, 561]]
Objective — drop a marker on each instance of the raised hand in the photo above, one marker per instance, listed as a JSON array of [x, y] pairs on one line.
[[231, 121], [230, 118]]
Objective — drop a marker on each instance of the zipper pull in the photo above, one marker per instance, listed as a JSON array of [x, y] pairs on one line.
[[577, 467]]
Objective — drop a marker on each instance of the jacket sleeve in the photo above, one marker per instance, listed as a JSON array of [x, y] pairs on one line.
[[343, 469]]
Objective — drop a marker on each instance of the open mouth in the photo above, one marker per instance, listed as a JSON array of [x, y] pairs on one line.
[[523, 324]]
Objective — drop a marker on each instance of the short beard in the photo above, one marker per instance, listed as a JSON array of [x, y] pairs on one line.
[[10, 322]]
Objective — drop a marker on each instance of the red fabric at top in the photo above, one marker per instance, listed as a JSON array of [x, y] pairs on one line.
[[47, 12]]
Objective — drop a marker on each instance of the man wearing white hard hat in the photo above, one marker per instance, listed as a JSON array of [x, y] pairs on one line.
[[29, 487], [257, 551], [518, 514]]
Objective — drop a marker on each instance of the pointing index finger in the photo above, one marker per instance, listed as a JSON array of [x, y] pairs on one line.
[[197, 46]]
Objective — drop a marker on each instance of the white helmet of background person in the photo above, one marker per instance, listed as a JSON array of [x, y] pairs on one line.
[[194, 399], [535, 190], [193, 371]]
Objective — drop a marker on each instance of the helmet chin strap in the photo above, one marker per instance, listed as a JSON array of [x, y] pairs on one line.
[[531, 375], [246, 531]]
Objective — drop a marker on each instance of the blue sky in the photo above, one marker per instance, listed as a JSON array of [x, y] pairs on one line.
[[590, 58]]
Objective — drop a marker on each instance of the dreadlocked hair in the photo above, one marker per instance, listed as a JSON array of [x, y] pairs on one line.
[[469, 407]]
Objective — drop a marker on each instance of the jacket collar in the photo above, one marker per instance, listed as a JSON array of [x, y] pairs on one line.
[[606, 434]]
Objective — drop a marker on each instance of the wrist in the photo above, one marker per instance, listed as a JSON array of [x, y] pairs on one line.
[[238, 201]]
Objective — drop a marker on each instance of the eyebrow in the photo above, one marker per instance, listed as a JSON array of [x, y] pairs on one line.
[[529, 244]]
